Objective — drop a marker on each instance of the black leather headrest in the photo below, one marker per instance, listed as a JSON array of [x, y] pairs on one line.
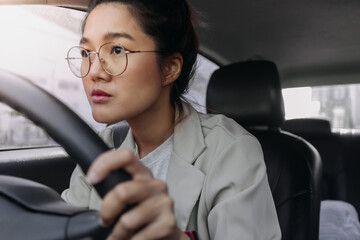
[[308, 127], [249, 92]]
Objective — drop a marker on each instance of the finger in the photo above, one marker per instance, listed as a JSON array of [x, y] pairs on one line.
[[128, 193], [158, 225], [107, 162], [162, 228], [147, 212], [116, 159], [119, 233]]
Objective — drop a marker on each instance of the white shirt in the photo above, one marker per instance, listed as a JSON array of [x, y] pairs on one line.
[[158, 160]]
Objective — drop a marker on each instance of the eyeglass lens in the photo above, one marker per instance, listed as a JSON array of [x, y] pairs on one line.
[[112, 59]]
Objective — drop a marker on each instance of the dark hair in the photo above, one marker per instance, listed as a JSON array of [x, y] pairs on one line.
[[170, 24]]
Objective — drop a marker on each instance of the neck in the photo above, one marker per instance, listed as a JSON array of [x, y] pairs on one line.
[[153, 128]]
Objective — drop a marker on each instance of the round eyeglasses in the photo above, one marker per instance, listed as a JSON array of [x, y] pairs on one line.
[[113, 59]]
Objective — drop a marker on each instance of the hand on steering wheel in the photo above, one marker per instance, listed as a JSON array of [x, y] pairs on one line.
[[153, 217]]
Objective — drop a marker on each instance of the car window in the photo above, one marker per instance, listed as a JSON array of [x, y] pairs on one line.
[[35, 41], [338, 103], [197, 89]]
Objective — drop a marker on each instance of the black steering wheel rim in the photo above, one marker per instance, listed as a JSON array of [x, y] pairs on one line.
[[60, 122]]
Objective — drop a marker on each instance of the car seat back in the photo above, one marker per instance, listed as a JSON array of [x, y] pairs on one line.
[[250, 93], [318, 133]]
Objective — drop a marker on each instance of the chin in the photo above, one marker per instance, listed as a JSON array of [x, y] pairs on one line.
[[101, 118], [105, 117]]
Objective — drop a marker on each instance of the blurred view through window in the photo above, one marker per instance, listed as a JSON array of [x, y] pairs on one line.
[[34, 44], [339, 103]]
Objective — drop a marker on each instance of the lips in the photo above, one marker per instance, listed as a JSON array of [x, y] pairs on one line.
[[99, 96]]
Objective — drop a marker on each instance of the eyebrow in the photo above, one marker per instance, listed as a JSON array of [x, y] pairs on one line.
[[109, 36]]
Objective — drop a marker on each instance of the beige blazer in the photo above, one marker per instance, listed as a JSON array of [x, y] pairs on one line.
[[216, 176]]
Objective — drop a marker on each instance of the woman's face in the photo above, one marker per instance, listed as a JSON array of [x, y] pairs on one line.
[[138, 89]]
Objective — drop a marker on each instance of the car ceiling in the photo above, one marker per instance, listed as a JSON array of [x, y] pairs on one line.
[[312, 42]]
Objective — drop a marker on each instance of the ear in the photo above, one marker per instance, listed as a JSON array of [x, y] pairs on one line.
[[172, 68]]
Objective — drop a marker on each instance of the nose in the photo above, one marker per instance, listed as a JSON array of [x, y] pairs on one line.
[[96, 71], [92, 56]]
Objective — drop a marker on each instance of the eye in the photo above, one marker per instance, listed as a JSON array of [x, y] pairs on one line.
[[116, 50], [84, 53]]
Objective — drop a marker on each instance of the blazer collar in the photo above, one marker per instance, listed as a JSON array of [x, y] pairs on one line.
[[188, 136], [185, 181], [128, 142]]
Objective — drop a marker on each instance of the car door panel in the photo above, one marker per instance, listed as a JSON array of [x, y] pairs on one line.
[[50, 166]]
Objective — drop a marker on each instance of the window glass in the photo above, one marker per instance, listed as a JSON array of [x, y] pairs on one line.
[[35, 40], [197, 89], [339, 103]]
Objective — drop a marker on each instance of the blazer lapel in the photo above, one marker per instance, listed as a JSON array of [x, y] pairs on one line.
[[184, 180], [128, 142]]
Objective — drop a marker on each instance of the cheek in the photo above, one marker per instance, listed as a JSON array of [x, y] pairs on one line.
[[86, 84], [141, 87], [144, 69], [146, 79], [137, 90]]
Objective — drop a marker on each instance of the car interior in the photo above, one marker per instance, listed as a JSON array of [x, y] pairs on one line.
[[259, 49]]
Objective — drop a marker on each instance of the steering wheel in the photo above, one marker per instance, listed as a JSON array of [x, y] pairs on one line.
[[78, 140]]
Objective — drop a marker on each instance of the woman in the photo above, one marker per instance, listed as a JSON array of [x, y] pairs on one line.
[[190, 171]]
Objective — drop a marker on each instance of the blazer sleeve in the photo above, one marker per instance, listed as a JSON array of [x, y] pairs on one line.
[[238, 196], [79, 191]]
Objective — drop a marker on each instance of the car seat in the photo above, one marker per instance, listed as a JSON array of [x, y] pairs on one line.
[[250, 93], [318, 132]]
